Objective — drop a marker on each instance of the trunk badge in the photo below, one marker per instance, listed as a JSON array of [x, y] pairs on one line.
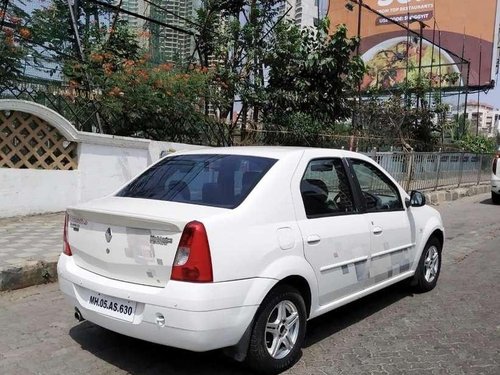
[[108, 235]]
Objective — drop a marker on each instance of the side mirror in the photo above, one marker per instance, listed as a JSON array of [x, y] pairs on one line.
[[417, 198]]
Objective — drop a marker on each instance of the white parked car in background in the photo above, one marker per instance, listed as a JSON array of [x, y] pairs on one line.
[[238, 247], [495, 179]]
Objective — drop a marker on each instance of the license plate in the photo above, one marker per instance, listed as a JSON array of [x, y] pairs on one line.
[[112, 306]]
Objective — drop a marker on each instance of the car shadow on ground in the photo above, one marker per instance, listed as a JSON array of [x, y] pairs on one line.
[[488, 201], [141, 357], [339, 319]]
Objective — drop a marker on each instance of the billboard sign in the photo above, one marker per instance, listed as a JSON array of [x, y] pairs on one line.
[[433, 40]]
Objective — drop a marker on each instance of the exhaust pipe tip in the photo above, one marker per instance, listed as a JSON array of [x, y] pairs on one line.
[[78, 315]]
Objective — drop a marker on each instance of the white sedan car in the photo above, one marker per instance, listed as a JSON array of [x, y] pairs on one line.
[[495, 179], [238, 247]]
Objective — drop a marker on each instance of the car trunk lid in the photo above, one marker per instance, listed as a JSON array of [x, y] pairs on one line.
[[130, 239]]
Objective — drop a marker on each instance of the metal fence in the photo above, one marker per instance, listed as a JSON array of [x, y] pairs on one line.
[[83, 108], [79, 107], [433, 170]]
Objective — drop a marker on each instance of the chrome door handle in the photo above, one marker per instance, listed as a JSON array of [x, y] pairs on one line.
[[377, 230], [313, 240]]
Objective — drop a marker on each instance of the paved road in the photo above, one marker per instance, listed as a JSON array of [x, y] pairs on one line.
[[454, 329]]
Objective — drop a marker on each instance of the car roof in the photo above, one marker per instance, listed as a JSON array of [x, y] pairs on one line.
[[275, 152]]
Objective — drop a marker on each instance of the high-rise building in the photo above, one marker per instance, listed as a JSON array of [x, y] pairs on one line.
[[135, 6], [164, 43], [172, 44], [138, 25], [303, 13]]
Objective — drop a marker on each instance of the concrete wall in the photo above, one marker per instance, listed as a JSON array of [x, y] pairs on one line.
[[103, 169], [30, 191], [106, 167], [105, 163]]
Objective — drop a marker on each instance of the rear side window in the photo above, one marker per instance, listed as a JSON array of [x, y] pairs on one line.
[[210, 180]]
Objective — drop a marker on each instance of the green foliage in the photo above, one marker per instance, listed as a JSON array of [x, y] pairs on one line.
[[155, 102], [234, 36], [12, 34], [398, 123], [459, 127], [136, 97], [51, 25], [11, 56], [110, 52], [312, 73], [478, 144], [302, 82]]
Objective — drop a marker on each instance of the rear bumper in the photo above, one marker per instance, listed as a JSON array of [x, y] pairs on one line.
[[198, 317]]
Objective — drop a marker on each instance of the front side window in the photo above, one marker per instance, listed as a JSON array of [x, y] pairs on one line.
[[325, 189], [205, 179], [379, 193]]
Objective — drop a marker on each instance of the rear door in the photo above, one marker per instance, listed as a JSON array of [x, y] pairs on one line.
[[392, 240], [335, 234]]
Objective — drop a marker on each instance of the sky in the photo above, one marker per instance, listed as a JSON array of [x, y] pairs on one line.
[[493, 97]]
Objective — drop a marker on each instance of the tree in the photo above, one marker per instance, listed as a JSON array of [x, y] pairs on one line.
[[233, 38], [160, 103], [13, 32], [108, 53], [478, 144], [393, 121], [313, 74], [460, 127], [138, 98], [52, 26]]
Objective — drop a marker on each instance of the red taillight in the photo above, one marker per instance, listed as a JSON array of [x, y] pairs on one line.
[[193, 261], [495, 164], [66, 248]]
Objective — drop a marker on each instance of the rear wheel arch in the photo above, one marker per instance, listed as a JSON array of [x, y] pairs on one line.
[[302, 286], [278, 330], [240, 350]]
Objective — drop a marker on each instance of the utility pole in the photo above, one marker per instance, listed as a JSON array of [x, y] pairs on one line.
[[422, 25], [479, 84], [73, 11], [360, 7]]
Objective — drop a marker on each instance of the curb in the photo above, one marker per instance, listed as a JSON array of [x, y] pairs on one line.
[[29, 274], [440, 196]]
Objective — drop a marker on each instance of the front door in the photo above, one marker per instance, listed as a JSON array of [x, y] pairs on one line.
[[392, 243], [336, 236]]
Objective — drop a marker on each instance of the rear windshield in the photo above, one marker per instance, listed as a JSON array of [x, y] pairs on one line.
[[210, 180]]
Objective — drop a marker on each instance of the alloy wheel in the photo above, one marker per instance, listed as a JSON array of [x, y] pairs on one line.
[[431, 264], [282, 329]]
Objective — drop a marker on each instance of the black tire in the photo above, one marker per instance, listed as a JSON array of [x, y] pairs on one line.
[[426, 276], [259, 358], [495, 198]]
